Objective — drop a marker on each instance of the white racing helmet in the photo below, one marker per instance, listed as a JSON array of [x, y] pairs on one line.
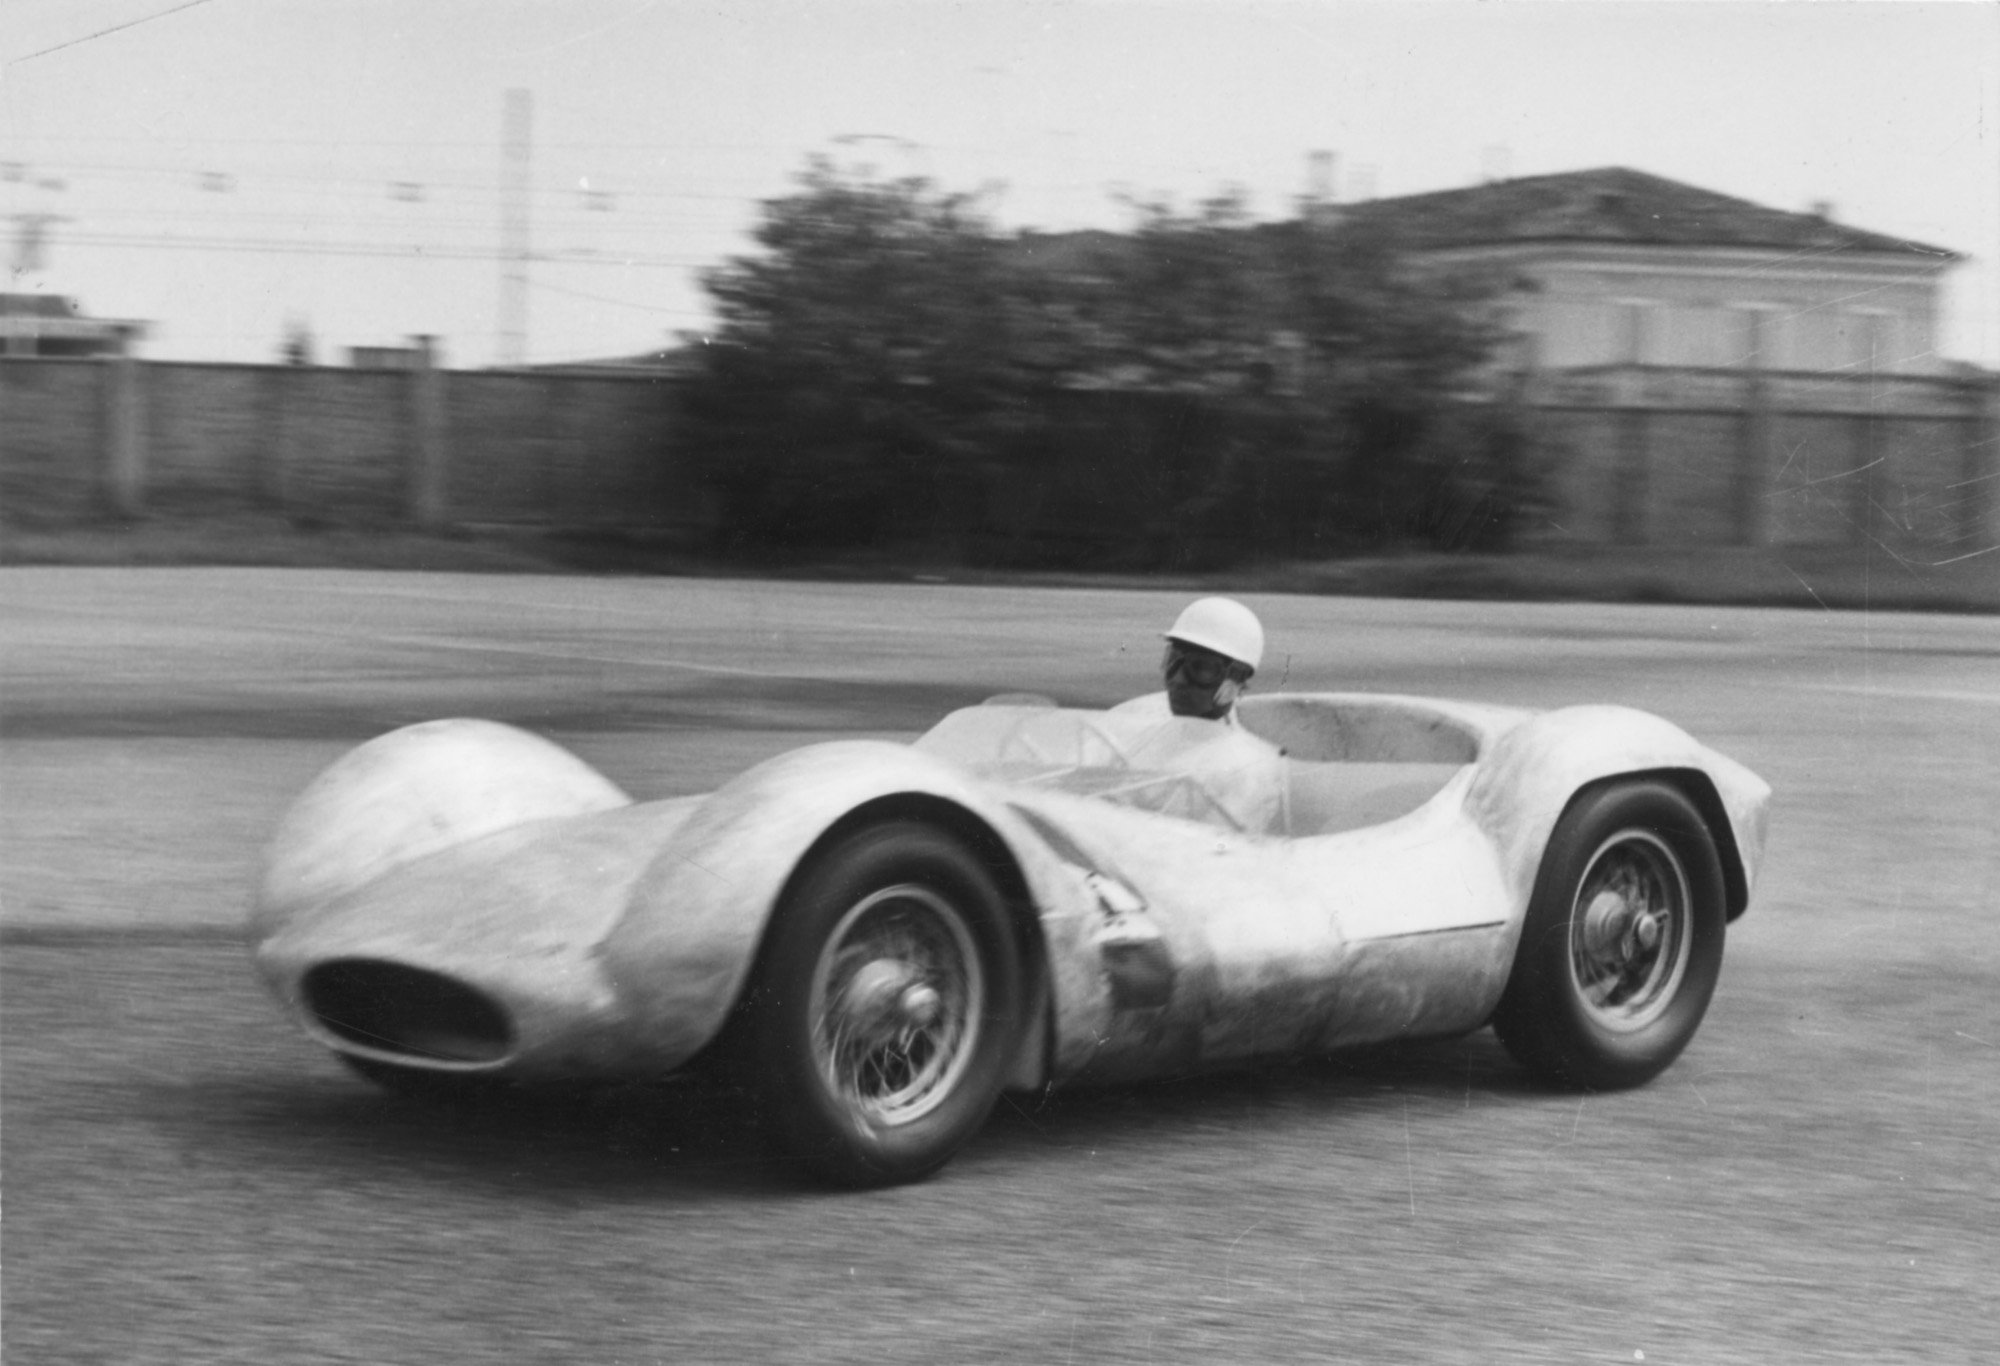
[[1223, 625]]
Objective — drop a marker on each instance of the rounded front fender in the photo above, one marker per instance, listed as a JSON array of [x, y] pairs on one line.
[[682, 951], [411, 793]]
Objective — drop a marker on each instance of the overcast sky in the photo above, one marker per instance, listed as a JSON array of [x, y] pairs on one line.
[[219, 167]]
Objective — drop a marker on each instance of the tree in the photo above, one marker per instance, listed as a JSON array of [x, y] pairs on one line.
[[1314, 374], [1204, 385], [1395, 377], [863, 379]]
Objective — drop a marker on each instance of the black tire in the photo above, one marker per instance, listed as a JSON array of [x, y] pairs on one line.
[[1622, 946], [885, 1006]]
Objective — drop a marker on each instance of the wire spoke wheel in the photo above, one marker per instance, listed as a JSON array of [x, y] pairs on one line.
[[1629, 930], [887, 1004], [1622, 944], [896, 1003]]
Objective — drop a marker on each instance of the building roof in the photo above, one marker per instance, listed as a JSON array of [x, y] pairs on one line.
[[1610, 205], [667, 361], [1613, 204], [55, 321], [36, 306]]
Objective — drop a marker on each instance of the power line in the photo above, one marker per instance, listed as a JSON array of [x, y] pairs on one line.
[[516, 172], [115, 28], [574, 256], [387, 225], [1086, 172], [486, 144], [376, 183], [617, 303]]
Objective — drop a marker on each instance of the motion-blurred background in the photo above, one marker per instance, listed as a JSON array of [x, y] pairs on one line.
[[1019, 319], [1666, 300]]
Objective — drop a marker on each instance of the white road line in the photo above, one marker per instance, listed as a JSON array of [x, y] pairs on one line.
[[570, 656], [596, 606], [1989, 699], [428, 642]]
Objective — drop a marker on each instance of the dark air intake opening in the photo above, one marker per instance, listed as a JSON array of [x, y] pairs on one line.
[[397, 1009]]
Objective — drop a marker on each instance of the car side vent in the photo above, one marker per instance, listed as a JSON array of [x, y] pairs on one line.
[[391, 1008]]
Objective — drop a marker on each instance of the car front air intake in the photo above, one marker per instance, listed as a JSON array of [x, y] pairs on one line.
[[391, 1008]]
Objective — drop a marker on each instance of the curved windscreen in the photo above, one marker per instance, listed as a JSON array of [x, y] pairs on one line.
[[1359, 729], [1361, 766], [1177, 766]]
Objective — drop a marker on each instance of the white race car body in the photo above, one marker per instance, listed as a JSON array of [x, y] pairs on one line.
[[462, 898]]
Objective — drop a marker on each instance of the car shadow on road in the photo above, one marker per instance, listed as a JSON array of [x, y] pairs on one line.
[[693, 1140], [1441, 1069]]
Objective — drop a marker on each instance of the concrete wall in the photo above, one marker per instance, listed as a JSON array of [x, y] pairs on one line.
[[1924, 492], [562, 449], [52, 438], [90, 438], [343, 442], [207, 433], [1635, 455], [1691, 476], [1814, 495], [1662, 456]]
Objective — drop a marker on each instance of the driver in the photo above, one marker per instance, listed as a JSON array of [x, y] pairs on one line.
[[1213, 649]]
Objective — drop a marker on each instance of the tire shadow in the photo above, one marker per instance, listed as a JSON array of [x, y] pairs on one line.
[[696, 1139], [1347, 1082], [690, 1138]]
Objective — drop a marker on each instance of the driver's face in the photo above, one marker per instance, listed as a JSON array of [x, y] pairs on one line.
[[1195, 680]]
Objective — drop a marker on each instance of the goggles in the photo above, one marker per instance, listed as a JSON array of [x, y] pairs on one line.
[[1203, 669]]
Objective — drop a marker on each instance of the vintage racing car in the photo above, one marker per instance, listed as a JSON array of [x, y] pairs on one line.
[[878, 938]]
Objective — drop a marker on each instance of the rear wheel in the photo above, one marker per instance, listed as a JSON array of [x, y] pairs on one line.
[[1622, 945], [886, 1006]]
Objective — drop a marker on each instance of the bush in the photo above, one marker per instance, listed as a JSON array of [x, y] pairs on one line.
[[891, 370]]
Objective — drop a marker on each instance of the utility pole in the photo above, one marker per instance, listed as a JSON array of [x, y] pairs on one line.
[[516, 160], [32, 225], [1321, 206], [1320, 187]]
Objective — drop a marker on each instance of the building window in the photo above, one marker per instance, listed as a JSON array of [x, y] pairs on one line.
[[1702, 335], [1758, 336], [1866, 339], [1635, 331]]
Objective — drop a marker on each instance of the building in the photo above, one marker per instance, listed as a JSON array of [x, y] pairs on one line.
[[1702, 370], [1618, 267], [1709, 371], [51, 325], [421, 353]]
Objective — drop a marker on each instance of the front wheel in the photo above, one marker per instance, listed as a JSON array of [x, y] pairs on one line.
[[1622, 945], [886, 1005]]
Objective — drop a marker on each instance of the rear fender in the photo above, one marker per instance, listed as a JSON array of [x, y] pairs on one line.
[[1530, 774]]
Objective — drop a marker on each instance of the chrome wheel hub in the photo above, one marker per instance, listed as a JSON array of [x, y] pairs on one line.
[[896, 1003], [1629, 930]]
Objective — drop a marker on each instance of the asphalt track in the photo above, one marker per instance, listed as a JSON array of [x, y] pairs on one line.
[[186, 1180]]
